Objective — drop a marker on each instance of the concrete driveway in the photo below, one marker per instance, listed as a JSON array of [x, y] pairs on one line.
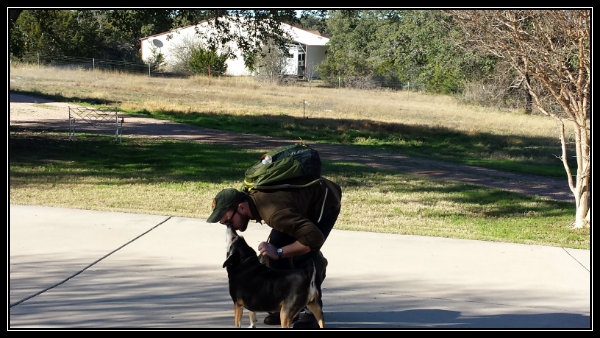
[[74, 268]]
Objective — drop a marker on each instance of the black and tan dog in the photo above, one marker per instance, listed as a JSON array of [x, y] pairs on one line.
[[256, 287]]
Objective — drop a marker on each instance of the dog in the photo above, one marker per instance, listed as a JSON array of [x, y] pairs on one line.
[[256, 287]]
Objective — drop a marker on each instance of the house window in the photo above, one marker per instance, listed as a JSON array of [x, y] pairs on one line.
[[301, 60]]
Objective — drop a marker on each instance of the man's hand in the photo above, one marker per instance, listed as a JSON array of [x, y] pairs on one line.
[[292, 250], [268, 250]]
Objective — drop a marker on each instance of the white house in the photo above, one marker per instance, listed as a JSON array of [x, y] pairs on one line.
[[307, 48]]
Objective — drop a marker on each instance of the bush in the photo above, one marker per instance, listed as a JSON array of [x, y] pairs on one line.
[[207, 62]]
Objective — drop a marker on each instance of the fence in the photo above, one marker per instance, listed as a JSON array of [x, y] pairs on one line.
[[97, 118], [95, 64], [361, 82]]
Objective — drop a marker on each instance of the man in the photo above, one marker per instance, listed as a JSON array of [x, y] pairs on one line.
[[301, 219]]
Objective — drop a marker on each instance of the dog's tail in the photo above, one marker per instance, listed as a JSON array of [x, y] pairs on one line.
[[313, 293]]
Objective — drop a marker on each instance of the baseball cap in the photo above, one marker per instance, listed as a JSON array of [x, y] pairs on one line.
[[225, 200]]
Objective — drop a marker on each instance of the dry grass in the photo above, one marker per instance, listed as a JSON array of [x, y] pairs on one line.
[[246, 96]]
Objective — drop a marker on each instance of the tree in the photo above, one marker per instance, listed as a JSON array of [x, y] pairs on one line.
[[551, 49], [315, 20], [53, 32], [257, 28], [348, 47], [398, 47], [113, 34], [270, 63]]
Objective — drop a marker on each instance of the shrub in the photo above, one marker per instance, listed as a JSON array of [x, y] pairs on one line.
[[207, 62]]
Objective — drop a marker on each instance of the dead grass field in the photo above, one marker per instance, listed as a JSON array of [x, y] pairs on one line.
[[246, 96]]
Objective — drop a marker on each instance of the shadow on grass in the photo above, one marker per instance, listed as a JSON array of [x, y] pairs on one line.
[[474, 199], [531, 155], [60, 98], [144, 160], [43, 157]]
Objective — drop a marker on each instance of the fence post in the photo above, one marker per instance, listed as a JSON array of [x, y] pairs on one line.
[[118, 131]]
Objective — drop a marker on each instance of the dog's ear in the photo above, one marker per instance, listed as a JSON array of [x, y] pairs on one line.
[[230, 260]]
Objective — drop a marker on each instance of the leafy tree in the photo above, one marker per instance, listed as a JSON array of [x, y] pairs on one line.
[[112, 34], [348, 47], [315, 20], [54, 32], [397, 48], [258, 28], [123, 29]]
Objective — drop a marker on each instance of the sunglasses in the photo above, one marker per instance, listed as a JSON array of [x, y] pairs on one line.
[[229, 221]]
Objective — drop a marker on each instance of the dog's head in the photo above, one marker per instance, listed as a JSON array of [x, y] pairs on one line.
[[237, 248]]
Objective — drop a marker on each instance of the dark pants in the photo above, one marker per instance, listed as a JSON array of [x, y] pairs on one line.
[[280, 239]]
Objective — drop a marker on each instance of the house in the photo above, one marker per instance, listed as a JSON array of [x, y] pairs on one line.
[[306, 49]]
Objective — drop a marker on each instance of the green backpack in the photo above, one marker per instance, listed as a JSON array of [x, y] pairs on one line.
[[282, 164]]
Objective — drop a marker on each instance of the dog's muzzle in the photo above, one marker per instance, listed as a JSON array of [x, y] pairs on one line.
[[230, 236]]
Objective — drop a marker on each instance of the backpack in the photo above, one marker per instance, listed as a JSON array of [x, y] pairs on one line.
[[282, 164]]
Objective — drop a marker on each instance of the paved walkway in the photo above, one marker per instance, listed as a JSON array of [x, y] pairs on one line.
[[74, 268]]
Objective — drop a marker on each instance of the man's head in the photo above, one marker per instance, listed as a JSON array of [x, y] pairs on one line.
[[225, 207]]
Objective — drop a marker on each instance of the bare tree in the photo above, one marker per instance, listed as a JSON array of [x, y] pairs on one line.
[[271, 63], [552, 48]]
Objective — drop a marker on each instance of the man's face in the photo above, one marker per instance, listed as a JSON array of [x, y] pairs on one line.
[[235, 220]]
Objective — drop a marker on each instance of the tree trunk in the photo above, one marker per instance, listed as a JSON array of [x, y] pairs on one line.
[[528, 98], [582, 215], [579, 187]]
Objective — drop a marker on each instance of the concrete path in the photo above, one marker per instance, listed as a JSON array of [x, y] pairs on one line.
[[74, 268]]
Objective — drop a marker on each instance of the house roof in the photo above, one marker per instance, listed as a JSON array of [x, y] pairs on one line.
[[305, 36], [297, 33]]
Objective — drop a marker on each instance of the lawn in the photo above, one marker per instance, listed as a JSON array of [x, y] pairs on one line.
[[180, 178]]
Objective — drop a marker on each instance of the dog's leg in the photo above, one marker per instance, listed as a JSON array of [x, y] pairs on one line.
[[239, 310], [286, 320], [316, 310], [313, 304], [252, 319]]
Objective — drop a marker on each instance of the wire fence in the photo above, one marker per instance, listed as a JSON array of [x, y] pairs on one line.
[[362, 82], [96, 64]]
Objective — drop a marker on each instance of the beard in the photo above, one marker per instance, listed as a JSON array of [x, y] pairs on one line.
[[243, 225]]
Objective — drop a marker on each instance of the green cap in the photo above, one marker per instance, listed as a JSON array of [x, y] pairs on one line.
[[225, 200]]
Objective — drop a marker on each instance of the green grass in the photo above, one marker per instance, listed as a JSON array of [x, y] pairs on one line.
[[531, 155], [181, 178], [516, 153]]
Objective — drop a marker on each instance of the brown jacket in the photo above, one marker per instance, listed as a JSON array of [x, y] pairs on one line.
[[296, 211]]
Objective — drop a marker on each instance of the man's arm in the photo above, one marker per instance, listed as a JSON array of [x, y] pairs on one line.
[[297, 226], [290, 250]]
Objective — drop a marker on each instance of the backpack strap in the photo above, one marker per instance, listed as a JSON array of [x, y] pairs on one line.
[[323, 206]]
